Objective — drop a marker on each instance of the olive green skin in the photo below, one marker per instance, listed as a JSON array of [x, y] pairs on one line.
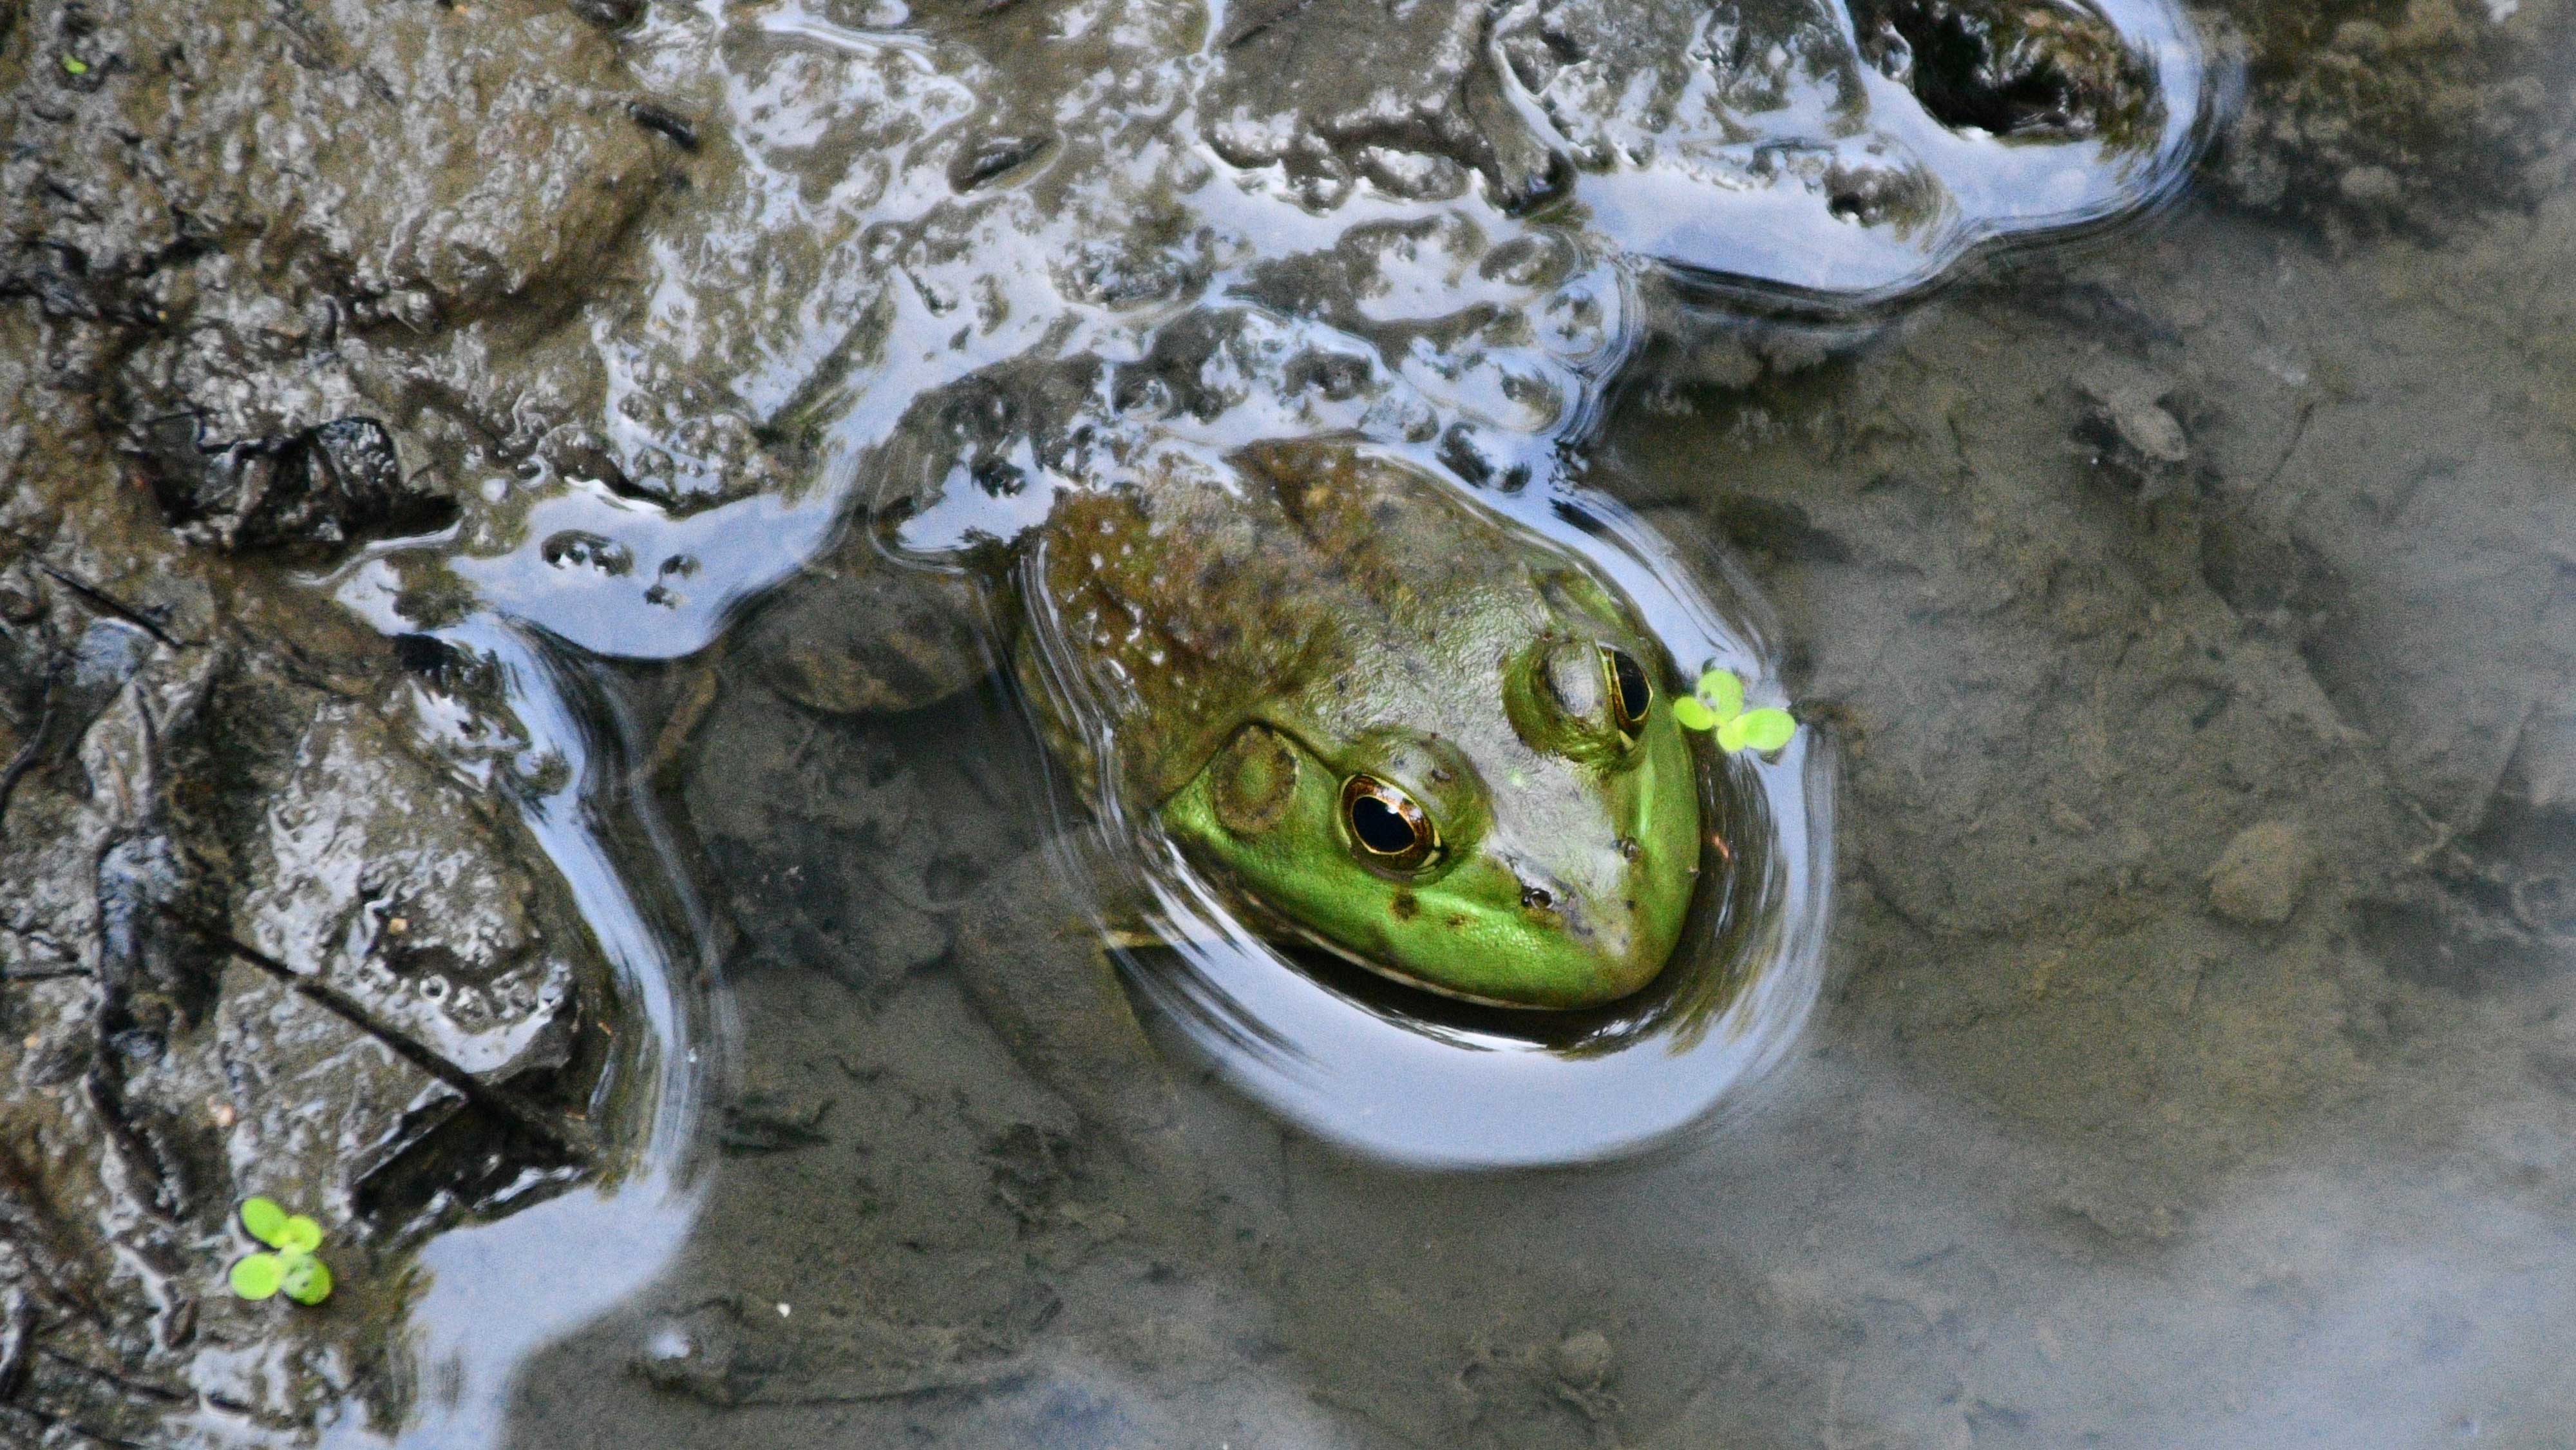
[[1250, 642]]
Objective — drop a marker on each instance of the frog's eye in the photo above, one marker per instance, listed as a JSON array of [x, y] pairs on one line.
[[1388, 828], [1628, 690]]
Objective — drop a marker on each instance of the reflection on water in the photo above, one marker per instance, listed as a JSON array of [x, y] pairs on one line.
[[1400, 1074], [494, 1292], [848, 254]]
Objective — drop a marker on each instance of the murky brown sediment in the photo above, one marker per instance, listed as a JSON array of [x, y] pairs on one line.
[[426, 434]]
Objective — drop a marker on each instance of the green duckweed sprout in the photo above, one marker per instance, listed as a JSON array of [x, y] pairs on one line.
[[292, 1269], [257, 1276], [262, 1219], [305, 1279], [1768, 728], [1717, 704], [1723, 691]]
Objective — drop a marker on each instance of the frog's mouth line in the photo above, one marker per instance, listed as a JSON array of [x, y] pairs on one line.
[[1305, 937]]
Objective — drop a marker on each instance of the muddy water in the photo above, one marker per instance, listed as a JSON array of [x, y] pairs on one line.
[[2156, 1030], [2108, 1130], [2190, 608]]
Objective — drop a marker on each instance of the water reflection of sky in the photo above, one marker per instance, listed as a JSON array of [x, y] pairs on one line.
[[835, 277]]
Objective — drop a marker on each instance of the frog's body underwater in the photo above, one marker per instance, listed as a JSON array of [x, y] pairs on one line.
[[1398, 727]]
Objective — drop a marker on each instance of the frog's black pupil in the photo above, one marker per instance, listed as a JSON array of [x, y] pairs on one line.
[[1379, 827], [1630, 677]]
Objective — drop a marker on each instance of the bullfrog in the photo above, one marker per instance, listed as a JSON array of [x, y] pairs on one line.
[[1396, 726], [1381, 718]]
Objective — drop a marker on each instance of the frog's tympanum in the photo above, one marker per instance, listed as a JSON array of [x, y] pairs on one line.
[[1396, 726]]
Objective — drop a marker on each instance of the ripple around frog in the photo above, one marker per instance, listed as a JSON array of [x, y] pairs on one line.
[[1390, 1072], [871, 267]]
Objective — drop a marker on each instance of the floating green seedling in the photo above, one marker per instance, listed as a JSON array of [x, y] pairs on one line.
[[1717, 704], [75, 66], [290, 1268]]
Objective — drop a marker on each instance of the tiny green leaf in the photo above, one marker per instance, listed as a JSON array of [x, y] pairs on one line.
[[306, 1280], [256, 1276], [1723, 691], [299, 1233], [1730, 735], [263, 1220], [1767, 729], [1692, 715], [74, 65]]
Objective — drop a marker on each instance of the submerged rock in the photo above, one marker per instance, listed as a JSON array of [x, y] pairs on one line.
[[2259, 877], [2130, 434], [2375, 117], [1583, 1358]]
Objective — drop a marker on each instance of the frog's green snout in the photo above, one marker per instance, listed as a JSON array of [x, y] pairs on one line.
[[1589, 924]]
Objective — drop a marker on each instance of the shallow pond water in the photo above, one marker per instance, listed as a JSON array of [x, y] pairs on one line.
[[2190, 608], [2134, 1010], [2083, 1145]]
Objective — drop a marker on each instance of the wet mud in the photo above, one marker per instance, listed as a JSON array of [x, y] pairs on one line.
[[262, 935], [422, 432]]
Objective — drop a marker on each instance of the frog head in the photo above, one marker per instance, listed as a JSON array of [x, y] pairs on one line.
[[1501, 808]]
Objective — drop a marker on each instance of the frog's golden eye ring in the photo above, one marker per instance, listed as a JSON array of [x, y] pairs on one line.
[[1388, 828], [1630, 694]]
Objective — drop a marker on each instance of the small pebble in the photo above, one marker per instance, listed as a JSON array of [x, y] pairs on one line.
[[2259, 877], [2147, 427], [1583, 1357], [2137, 440], [2371, 185]]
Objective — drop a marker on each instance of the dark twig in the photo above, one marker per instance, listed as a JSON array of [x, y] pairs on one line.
[[41, 942], [27, 1221], [100, 599], [140, 1389], [499, 1102], [104, 1085], [25, 760]]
